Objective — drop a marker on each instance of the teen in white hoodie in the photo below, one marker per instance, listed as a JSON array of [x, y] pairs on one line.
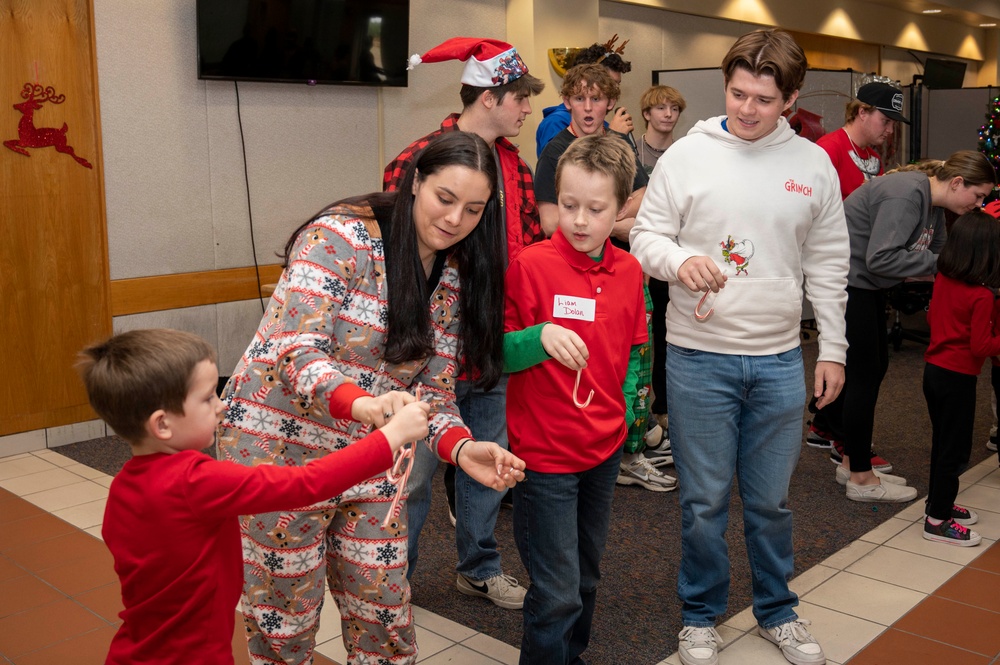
[[744, 212]]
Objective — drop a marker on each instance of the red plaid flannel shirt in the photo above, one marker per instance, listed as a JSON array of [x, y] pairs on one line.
[[523, 224]]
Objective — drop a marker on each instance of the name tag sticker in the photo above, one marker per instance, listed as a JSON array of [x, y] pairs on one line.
[[573, 307]]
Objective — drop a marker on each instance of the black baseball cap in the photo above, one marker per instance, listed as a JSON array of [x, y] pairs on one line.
[[886, 98]]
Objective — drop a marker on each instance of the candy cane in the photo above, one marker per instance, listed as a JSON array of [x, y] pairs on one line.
[[576, 400]]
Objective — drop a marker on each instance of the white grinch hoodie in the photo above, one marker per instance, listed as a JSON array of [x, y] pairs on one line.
[[769, 213]]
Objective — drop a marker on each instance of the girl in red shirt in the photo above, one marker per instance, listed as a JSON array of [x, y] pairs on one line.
[[961, 322]]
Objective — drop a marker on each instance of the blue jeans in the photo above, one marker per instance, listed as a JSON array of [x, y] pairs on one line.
[[476, 506], [735, 414], [560, 527]]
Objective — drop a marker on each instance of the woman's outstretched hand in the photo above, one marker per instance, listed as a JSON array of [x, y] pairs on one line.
[[489, 464]]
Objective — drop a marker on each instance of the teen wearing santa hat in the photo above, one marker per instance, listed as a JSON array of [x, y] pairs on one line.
[[496, 90]]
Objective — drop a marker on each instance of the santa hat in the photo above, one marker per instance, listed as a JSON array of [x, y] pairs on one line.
[[488, 62]]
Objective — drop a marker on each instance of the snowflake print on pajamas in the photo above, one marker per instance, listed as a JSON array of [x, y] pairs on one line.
[[290, 428], [271, 621], [386, 553], [273, 562]]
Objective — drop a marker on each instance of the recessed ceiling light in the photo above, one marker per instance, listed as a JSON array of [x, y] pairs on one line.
[[932, 11], [987, 25]]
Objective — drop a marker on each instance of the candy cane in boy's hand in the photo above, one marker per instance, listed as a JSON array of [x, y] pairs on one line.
[[399, 476], [576, 400]]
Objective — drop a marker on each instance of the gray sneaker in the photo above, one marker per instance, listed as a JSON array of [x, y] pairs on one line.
[[698, 646], [795, 642], [641, 471], [503, 590]]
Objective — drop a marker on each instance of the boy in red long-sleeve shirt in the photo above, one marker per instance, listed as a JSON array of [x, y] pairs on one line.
[[171, 517]]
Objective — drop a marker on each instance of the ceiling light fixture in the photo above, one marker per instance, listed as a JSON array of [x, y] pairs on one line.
[[987, 25], [932, 11]]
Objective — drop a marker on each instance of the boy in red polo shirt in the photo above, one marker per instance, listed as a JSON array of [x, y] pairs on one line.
[[575, 321]]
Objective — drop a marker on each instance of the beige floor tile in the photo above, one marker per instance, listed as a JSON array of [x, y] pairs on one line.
[[458, 655], [841, 635], [911, 539], [333, 649], [741, 622], [913, 512], [329, 621], [455, 632], [431, 643], [85, 515], [886, 530], [751, 649], [85, 471], [992, 479], [22, 465], [811, 579], [848, 555], [95, 531], [980, 497], [67, 496], [53, 457], [104, 480], [905, 569], [980, 471], [30, 483], [496, 649], [864, 598]]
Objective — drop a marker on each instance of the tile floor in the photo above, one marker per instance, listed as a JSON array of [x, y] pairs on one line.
[[927, 603]]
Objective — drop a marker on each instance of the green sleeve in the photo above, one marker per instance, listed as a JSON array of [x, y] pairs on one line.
[[631, 388], [523, 348]]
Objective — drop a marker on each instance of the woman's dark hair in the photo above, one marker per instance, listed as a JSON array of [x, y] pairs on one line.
[[971, 253], [480, 256]]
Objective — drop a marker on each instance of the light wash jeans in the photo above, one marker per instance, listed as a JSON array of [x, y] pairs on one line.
[[476, 506], [741, 415], [561, 528]]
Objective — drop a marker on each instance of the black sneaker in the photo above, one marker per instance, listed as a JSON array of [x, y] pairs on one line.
[[818, 438], [951, 533], [837, 456]]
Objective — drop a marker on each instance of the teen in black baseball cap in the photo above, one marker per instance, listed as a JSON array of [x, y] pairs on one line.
[[884, 97]]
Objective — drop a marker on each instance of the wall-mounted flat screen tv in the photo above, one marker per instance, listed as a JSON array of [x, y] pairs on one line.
[[354, 42]]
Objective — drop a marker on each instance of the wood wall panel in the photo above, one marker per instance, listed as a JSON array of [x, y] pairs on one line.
[[163, 292], [53, 238]]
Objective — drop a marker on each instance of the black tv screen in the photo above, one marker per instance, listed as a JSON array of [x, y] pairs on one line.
[[939, 74], [355, 42]]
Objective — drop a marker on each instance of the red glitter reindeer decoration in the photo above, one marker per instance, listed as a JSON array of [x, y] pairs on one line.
[[29, 136]]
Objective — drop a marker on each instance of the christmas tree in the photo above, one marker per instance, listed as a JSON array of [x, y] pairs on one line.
[[989, 140], [989, 134]]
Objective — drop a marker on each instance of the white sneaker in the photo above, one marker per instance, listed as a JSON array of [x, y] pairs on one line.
[[503, 590], [640, 471], [795, 642], [844, 474], [880, 493], [698, 646]]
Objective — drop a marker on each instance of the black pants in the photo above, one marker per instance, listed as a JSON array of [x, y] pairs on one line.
[[951, 402], [851, 416], [660, 295]]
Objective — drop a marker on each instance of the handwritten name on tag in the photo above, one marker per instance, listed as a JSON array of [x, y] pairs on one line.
[[573, 307]]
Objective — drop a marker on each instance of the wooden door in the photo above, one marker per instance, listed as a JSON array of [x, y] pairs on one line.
[[54, 284]]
